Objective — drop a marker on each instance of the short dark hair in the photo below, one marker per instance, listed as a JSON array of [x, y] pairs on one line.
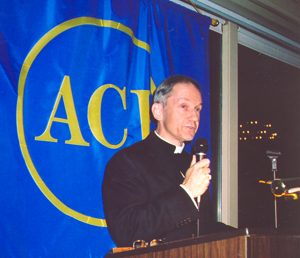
[[164, 89]]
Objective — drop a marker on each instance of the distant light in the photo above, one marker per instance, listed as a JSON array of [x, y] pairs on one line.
[[255, 122], [248, 132], [265, 131], [241, 125], [245, 138], [260, 137], [270, 125], [251, 122]]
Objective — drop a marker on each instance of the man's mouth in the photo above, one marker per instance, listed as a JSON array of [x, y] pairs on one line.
[[192, 128]]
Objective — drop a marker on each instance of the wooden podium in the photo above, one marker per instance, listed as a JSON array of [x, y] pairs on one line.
[[241, 243]]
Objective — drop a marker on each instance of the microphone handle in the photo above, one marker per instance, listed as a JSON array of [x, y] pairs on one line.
[[199, 156]]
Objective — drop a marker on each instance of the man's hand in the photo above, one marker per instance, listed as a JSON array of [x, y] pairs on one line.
[[197, 177]]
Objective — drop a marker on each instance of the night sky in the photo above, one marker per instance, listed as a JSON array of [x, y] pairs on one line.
[[269, 93]]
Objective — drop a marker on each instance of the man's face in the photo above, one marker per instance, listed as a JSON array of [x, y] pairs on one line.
[[179, 120]]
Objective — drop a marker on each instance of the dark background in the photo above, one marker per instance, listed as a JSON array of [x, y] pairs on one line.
[[268, 93]]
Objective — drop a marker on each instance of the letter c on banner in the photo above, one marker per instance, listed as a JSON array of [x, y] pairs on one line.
[[94, 115]]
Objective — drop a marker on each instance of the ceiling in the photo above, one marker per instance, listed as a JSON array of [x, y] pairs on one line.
[[274, 19]]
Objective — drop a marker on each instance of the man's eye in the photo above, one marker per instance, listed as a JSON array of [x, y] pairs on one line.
[[198, 109], [183, 106]]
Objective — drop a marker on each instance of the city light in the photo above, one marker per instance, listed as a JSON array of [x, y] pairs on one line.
[[256, 131]]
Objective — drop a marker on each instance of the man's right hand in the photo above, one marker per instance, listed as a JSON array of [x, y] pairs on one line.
[[197, 177]]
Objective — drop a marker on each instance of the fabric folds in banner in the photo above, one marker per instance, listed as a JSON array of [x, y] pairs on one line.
[[76, 81]]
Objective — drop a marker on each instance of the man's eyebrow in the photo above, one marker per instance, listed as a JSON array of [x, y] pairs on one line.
[[185, 99]]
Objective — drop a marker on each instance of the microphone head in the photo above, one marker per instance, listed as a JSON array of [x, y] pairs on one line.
[[273, 153], [200, 145]]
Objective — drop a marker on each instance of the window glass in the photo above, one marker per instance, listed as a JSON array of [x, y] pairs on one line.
[[269, 119]]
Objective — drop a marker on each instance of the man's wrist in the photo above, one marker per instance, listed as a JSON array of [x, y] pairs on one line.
[[190, 194]]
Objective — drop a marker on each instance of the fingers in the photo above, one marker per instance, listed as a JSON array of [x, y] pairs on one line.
[[204, 175], [206, 180], [203, 163], [193, 162], [197, 178], [200, 167]]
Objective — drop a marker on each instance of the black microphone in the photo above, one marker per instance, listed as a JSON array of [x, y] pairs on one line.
[[200, 148]]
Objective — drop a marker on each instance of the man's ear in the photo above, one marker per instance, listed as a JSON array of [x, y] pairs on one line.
[[157, 111]]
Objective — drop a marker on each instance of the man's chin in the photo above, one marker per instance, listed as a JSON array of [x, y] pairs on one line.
[[189, 138]]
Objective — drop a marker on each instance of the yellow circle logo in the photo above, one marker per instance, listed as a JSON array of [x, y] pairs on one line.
[[21, 87]]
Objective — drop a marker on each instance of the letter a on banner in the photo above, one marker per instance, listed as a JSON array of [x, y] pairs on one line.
[[65, 93]]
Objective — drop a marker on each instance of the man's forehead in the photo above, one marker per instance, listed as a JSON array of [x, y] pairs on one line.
[[198, 101], [184, 91], [185, 87]]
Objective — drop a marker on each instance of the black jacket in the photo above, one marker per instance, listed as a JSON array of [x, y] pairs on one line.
[[143, 199]]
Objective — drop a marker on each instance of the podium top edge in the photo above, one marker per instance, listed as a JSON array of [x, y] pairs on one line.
[[244, 232]]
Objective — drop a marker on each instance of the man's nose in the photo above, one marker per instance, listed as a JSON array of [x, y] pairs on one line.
[[195, 116]]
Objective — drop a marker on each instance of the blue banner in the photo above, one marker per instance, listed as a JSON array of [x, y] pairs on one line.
[[76, 81]]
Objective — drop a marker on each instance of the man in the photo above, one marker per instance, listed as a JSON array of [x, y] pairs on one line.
[[150, 186]]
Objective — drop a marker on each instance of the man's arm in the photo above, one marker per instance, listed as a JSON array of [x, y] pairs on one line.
[[133, 213]]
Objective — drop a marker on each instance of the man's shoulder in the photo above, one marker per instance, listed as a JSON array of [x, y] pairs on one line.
[[128, 158], [141, 147]]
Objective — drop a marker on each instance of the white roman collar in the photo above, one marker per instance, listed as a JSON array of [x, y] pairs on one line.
[[178, 149]]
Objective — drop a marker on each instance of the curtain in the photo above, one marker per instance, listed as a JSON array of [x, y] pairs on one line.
[[76, 81]]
